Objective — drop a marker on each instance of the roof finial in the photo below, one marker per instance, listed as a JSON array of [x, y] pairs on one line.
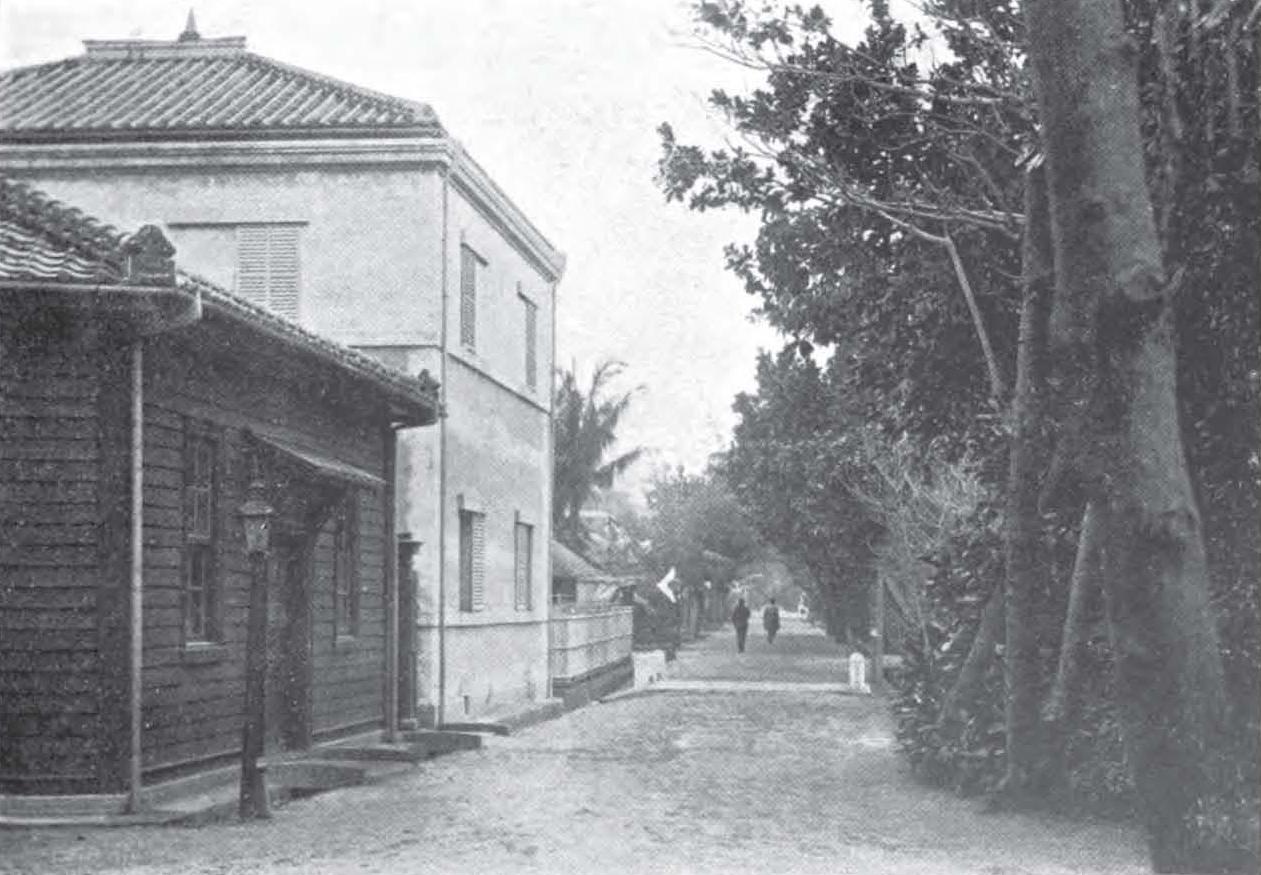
[[190, 29]]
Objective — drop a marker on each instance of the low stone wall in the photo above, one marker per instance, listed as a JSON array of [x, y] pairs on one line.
[[588, 642], [649, 667]]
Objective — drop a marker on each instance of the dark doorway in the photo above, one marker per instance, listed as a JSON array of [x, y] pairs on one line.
[[289, 634]]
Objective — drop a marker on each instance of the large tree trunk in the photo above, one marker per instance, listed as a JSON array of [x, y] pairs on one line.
[[1025, 562], [1169, 673], [1112, 326], [1083, 598]]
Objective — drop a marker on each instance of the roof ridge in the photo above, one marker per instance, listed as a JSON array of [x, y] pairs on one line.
[[60, 222], [31, 102]]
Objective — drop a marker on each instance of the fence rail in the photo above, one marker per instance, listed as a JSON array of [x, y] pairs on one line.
[[586, 637]]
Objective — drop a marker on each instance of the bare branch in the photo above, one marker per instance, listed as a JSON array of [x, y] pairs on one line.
[[917, 88]]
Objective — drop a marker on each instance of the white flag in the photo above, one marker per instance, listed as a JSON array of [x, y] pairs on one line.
[[664, 586]]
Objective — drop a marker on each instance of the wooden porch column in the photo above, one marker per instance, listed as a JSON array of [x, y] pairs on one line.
[[392, 673]]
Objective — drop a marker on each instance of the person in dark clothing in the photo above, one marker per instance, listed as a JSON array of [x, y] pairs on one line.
[[740, 619], [770, 621]]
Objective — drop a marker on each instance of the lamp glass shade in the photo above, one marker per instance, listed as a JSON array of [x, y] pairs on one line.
[[256, 516]]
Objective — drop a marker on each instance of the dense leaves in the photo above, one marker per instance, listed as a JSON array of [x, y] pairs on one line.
[[584, 432], [866, 163], [695, 526]]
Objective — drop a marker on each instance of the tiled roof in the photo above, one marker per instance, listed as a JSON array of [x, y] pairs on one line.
[[568, 565], [43, 240], [422, 388], [191, 86]]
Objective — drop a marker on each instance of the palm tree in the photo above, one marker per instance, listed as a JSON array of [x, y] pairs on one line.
[[585, 424]]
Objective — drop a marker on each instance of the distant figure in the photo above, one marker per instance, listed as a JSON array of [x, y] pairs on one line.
[[740, 619], [770, 621]]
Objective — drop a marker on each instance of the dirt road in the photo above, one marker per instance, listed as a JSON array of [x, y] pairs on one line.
[[771, 778]]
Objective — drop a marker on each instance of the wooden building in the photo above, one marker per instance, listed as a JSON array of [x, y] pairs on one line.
[[137, 406], [361, 217]]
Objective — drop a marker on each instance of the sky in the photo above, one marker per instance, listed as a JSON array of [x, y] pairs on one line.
[[560, 101]]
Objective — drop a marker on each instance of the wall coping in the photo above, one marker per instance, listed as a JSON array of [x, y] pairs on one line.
[[443, 153]]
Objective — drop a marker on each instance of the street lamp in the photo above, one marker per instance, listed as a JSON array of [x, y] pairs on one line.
[[255, 514]]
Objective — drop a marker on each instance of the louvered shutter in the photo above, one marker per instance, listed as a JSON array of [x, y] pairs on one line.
[[282, 261], [251, 263], [466, 561], [523, 575], [479, 562], [267, 266], [531, 344], [468, 297]]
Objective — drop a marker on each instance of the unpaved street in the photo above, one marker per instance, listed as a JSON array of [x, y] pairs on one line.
[[770, 779]]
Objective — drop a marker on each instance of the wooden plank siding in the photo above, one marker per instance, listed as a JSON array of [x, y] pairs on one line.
[[194, 695], [65, 401], [348, 685], [50, 518]]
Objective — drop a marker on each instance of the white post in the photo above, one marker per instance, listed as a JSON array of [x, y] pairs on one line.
[[858, 673]]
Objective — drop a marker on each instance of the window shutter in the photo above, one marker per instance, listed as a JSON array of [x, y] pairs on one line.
[[251, 263], [282, 263], [268, 272], [479, 561], [468, 297], [531, 344], [524, 557]]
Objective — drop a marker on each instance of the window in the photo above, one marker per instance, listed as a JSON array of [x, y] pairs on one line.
[[472, 561], [470, 263], [345, 569], [267, 266], [201, 592], [531, 343], [523, 578]]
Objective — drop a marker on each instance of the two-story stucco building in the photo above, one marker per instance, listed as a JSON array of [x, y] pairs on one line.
[[359, 216]]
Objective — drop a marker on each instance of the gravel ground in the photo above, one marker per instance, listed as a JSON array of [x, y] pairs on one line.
[[696, 782]]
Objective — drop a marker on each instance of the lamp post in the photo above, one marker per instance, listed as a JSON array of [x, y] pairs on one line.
[[256, 516]]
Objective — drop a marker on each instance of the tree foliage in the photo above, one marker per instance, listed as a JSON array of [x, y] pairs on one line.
[[584, 422], [888, 178], [839, 496], [695, 525]]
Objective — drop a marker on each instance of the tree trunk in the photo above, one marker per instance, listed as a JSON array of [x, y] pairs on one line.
[[967, 686], [1112, 324], [1083, 604], [1169, 673], [1025, 562]]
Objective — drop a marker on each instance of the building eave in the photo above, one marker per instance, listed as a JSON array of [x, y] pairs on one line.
[[149, 309], [411, 401], [476, 182], [22, 156]]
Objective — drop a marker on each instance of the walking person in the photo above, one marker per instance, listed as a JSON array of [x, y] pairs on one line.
[[770, 621], [740, 619]]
